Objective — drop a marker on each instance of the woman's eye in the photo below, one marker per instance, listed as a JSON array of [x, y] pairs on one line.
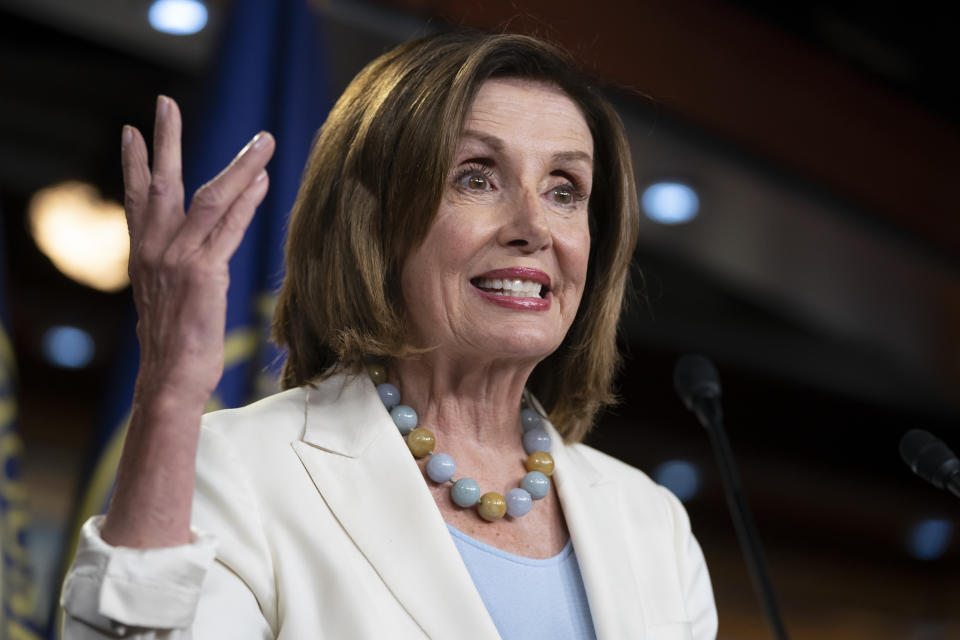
[[475, 178], [563, 195], [566, 195], [477, 182]]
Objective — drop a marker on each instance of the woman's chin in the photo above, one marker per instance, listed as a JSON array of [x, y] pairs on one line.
[[523, 347]]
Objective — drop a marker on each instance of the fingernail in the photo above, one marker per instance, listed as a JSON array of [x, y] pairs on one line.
[[258, 140], [162, 105], [126, 136], [253, 144], [261, 176]]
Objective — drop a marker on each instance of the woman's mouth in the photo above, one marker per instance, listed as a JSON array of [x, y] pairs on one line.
[[513, 287]]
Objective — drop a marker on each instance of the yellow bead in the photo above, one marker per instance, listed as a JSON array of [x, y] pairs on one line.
[[492, 506], [420, 441], [540, 461], [377, 373]]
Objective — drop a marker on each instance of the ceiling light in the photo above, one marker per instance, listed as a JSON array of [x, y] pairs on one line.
[[680, 476], [84, 236], [178, 17], [929, 539], [68, 347], [670, 202]]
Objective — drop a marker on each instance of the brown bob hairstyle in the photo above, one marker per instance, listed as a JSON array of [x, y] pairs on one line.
[[374, 182]]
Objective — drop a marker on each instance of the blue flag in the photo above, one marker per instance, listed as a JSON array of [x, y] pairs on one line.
[[270, 75], [17, 586]]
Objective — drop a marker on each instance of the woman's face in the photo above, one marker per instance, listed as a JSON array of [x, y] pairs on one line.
[[502, 269]]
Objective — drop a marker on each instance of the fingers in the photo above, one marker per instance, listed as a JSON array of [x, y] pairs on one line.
[[228, 232], [167, 178], [221, 210], [136, 176], [215, 199]]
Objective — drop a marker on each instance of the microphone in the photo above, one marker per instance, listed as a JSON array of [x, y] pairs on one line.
[[698, 385], [931, 459]]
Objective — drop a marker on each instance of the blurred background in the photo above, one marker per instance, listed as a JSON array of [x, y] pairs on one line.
[[798, 163]]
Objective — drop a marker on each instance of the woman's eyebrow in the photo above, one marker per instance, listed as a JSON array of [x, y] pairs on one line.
[[573, 156], [491, 141], [497, 145]]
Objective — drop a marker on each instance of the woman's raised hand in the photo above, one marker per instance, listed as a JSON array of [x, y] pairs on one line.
[[179, 261], [179, 273]]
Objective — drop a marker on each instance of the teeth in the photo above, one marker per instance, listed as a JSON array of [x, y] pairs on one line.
[[511, 287]]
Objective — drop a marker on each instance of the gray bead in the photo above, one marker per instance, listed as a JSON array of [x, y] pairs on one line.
[[536, 440], [441, 467], [404, 417], [530, 419], [519, 502], [389, 394], [536, 484], [465, 492]]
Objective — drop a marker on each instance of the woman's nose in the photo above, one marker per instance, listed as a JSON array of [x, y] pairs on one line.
[[525, 223]]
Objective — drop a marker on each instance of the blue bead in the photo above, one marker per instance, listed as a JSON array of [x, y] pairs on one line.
[[530, 419], [441, 467], [404, 417], [519, 502], [389, 394], [536, 484], [465, 492], [536, 440]]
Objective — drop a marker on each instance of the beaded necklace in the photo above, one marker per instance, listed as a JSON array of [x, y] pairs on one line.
[[465, 492]]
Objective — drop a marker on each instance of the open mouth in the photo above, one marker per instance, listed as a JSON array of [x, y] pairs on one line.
[[513, 287]]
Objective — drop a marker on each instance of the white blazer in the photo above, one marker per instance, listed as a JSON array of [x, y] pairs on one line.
[[324, 528]]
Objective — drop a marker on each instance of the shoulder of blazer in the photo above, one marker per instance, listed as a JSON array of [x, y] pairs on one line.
[[639, 492], [607, 465], [342, 414], [276, 418]]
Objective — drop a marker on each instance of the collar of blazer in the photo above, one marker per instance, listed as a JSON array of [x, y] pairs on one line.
[[361, 466]]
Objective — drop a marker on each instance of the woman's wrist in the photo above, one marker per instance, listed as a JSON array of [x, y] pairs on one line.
[[169, 396]]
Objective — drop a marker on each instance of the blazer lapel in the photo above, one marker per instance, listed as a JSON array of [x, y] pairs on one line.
[[593, 513], [361, 466]]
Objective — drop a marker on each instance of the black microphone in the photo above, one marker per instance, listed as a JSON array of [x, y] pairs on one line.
[[931, 459], [698, 385]]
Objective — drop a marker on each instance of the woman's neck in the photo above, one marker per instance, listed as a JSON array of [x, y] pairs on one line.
[[473, 405]]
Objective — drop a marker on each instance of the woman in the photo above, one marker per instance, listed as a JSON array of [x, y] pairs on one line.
[[467, 219]]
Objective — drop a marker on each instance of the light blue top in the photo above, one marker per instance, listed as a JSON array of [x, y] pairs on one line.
[[529, 597]]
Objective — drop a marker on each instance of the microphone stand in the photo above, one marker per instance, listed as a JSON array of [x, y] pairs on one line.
[[710, 414]]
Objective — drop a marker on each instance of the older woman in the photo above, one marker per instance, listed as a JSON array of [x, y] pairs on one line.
[[456, 264]]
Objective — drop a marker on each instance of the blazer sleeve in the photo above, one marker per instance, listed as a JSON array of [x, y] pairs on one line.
[[695, 579], [215, 587]]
